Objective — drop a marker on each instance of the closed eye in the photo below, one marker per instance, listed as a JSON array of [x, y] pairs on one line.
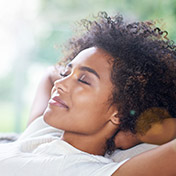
[[65, 73], [83, 80]]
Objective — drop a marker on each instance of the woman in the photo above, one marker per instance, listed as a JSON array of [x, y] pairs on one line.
[[119, 76]]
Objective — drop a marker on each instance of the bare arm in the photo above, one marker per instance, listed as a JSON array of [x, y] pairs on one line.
[[160, 161], [159, 133], [43, 92]]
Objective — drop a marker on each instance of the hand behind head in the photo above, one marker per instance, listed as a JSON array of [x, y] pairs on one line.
[[125, 140], [159, 133]]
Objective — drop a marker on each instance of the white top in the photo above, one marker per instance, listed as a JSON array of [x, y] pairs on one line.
[[40, 152]]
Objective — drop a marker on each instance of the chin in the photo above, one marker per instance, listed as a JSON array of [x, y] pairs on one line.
[[47, 116], [50, 118]]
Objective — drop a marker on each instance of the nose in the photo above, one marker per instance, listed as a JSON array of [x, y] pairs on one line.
[[62, 85]]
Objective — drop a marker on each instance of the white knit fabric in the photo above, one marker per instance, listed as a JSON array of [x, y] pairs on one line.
[[40, 152]]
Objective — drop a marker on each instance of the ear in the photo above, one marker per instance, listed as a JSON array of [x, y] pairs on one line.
[[115, 119]]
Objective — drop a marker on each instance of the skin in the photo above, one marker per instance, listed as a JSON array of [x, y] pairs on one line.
[[126, 140], [43, 92], [159, 133], [159, 161], [87, 119], [90, 127]]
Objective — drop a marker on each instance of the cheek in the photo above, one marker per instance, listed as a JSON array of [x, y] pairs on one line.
[[54, 116], [89, 96], [89, 109], [89, 102]]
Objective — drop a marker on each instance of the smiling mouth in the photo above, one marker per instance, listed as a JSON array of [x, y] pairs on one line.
[[56, 101]]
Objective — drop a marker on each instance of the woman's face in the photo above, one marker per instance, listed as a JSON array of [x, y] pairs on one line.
[[79, 101]]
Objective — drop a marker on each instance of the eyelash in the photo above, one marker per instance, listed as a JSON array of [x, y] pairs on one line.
[[82, 81], [63, 74], [85, 82]]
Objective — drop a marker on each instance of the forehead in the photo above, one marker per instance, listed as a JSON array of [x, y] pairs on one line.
[[95, 58]]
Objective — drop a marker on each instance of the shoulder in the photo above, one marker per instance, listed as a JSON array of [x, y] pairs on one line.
[[88, 164], [39, 128]]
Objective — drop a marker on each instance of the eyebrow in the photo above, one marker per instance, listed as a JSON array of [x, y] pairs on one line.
[[88, 69]]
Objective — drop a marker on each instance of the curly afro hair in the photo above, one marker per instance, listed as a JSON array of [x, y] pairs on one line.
[[143, 66]]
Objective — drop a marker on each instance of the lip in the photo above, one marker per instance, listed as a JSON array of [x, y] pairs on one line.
[[57, 101]]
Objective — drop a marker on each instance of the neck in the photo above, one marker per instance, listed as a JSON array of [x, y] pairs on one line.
[[93, 144]]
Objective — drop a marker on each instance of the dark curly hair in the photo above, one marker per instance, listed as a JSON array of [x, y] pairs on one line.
[[143, 65]]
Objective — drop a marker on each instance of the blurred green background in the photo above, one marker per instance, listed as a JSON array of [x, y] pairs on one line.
[[31, 33]]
